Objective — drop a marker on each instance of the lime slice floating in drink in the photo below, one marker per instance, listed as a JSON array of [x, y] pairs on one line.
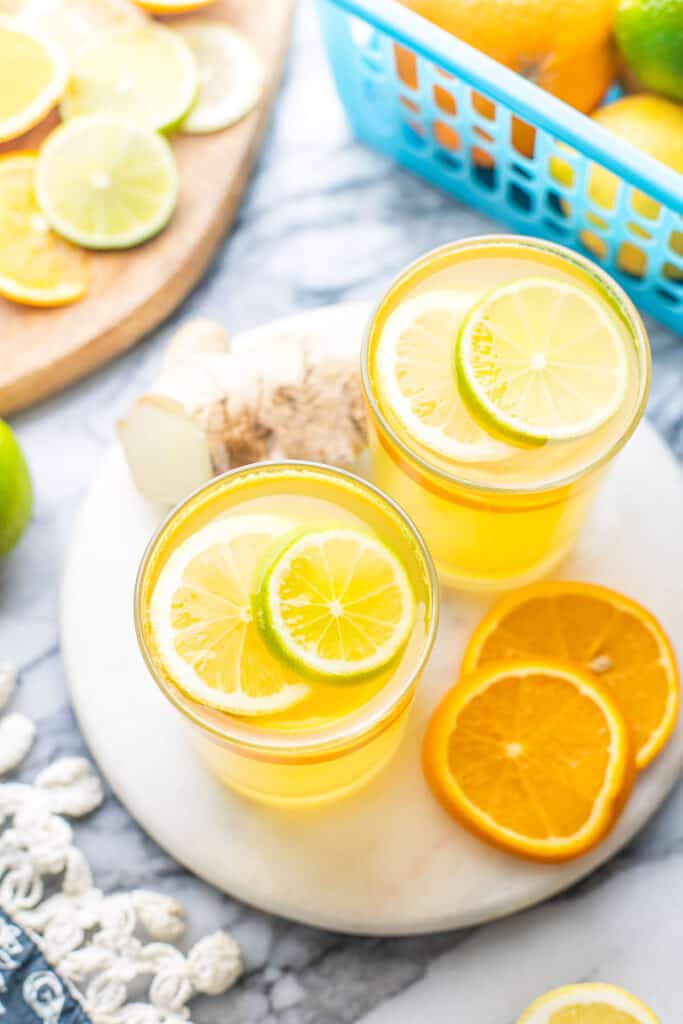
[[336, 603], [539, 360], [417, 382], [104, 182], [147, 74], [202, 623]]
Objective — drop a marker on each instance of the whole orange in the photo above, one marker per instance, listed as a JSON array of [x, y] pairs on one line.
[[563, 46]]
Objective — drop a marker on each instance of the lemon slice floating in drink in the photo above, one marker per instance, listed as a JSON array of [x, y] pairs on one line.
[[202, 624], [104, 182], [540, 360], [146, 73], [417, 380], [336, 603]]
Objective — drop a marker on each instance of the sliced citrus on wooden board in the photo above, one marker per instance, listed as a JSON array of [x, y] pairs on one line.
[[37, 267], [173, 6], [533, 756], [202, 624], [33, 76], [591, 1003], [601, 630]]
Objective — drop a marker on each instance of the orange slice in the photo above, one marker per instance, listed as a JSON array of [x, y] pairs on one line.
[[611, 635], [532, 756]]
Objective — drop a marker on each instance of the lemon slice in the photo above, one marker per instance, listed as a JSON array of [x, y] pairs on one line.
[[416, 377], [588, 1004], [538, 360], [37, 268], [336, 603], [230, 76], [106, 183], [73, 23], [33, 76], [145, 73], [202, 625], [172, 6]]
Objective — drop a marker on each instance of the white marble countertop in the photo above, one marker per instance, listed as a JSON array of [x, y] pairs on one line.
[[324, 221]]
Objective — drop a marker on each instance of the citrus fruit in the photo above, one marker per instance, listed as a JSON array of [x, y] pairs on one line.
[[106, 183], [33, 76], [74, 23], [531, 755], [202, 624], [16, 493], [540, 360], [542, 40], [590, 1003], [172, 6], [230, 75], [655, 126], [37, 267], [601, 630], [416, 378], [336, 603], [650, 36], [146, 74]]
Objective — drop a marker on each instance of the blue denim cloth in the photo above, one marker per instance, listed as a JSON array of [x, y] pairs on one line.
[[30, 991]]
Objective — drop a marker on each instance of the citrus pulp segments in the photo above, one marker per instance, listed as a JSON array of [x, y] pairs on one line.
[[37, 268], [33, 75], [540, 360], [497, 748], [337, 604], [416, 377], [104, 182], [146, 73], [565, 1004], [231, 75], [201, 619]]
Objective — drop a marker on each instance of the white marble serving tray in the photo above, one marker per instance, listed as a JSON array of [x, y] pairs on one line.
[[388, 860]]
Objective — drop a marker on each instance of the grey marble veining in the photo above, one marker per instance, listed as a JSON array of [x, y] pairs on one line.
[[326, 220]]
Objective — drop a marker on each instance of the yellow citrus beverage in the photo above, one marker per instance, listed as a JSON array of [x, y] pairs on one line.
[[502, 375], [287, 611]]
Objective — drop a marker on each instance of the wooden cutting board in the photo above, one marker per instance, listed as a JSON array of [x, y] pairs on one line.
[[43, 350]]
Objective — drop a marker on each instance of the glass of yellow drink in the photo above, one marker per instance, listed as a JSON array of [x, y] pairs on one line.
[[351, 566], [463, 340]]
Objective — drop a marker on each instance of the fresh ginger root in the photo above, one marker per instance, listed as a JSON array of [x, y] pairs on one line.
[[219, 405]]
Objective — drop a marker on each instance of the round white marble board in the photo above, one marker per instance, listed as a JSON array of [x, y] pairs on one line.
[[389, 860]]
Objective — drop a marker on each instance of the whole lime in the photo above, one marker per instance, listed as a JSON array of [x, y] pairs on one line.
[[16, 493], [650, 36]]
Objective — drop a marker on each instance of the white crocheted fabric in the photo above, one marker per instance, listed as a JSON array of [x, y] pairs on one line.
[[107, 948]]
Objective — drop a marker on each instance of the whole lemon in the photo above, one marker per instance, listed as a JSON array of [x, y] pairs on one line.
[[16, 493], [650, 36]]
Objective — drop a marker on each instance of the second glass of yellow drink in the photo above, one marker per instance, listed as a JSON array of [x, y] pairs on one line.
[[287, 611], [502, 375]]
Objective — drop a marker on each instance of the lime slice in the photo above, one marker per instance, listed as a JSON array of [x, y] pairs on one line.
[[16, 493], [33, 76], [146, 74], [201, 620], [106, 183], [336, 603], [230, 76], [539, 360], [417, 382]]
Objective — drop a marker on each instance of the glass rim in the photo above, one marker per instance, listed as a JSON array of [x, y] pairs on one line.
[[606, 284], [353, 728]]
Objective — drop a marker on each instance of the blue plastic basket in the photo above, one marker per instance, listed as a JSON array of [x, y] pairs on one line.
[[446, 111]]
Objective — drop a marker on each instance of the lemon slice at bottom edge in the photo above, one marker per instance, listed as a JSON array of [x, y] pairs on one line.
[[106, 183], [541, 360], [202, 625], [592, 1003], [37, 268], [336, 603]]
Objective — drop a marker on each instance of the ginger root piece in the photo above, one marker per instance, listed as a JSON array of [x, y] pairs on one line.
[[219, 405]]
